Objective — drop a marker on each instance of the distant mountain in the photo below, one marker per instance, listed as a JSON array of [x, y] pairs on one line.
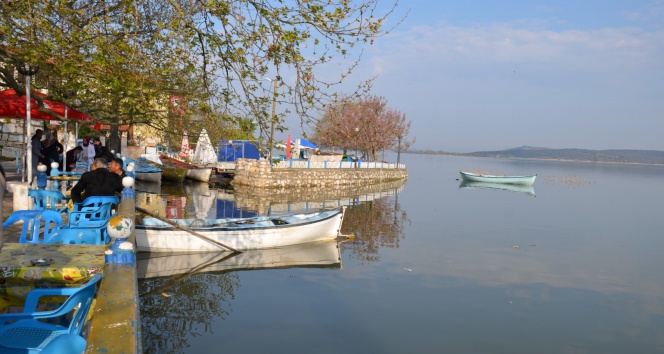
[[607, 156], [614, 156]]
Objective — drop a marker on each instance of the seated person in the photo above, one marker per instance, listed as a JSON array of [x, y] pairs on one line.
[[101, 150], [99, 181], [116, 167], [73, 156]]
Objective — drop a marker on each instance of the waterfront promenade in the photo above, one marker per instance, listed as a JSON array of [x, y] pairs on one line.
[[115, 324]]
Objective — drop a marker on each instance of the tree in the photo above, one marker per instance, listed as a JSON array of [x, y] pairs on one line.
[[120, 61], [366, 124]]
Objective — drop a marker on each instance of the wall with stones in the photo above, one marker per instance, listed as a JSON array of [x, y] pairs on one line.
[[258, 173]]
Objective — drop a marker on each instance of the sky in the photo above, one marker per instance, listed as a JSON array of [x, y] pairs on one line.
[[491, 75]]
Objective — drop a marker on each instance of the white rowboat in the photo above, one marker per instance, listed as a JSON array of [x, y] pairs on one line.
[[526, 180], [261, 232]]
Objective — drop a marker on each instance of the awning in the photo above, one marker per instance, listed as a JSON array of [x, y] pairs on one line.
[[13, 106]]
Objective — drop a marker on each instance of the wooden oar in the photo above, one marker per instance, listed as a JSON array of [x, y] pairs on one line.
[[178, 226]]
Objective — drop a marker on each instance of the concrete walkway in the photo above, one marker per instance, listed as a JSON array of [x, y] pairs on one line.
[[12, 233]]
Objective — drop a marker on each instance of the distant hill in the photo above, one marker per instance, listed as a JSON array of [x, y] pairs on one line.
[[607, 156]]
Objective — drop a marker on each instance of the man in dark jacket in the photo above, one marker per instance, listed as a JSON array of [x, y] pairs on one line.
[[99, 181]]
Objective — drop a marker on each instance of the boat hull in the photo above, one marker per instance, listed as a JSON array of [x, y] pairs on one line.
[[313, 254], [199, 174], [149, 176], [262, 234], [173, 173], [472, 177]]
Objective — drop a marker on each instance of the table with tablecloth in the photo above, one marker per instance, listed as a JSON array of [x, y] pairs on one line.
[[24, 267]]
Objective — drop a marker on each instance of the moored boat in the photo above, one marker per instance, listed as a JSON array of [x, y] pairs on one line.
[[312, 254], [193, 171], [144, 171], [526, 180], [262, 232]]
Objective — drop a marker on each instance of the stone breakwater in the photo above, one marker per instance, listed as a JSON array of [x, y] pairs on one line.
[[259, 173]]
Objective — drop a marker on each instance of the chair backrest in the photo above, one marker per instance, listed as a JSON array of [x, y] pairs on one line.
[[76, 237], [80, 296], [93, 212], [93, 203], [41, 198], [32, 224]]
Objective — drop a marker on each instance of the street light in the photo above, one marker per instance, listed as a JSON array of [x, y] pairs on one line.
[[28, 70], [274, 113]]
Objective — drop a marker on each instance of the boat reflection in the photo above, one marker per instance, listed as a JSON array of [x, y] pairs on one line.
[[183, 295], [314, 254], [519, 188]]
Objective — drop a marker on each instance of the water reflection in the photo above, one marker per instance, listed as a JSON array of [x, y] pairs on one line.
[[183, 294], [198, 200], [519, 188], [174, 312]]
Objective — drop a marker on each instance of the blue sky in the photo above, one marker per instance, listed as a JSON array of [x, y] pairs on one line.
[[490, 75]]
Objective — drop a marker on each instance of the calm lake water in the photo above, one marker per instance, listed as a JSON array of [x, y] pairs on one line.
[[573, 266]]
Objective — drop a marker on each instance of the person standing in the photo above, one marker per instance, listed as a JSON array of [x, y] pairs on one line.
[[36, 151], [89, 151], [51, 149], [99, 181]]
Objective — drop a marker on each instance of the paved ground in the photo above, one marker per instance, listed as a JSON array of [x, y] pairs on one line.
[[12, 233]]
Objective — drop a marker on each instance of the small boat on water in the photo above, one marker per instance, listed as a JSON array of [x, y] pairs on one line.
[[144, 171], [519, 188], [313, 254], [472, 177], [262, 232], [193, 171]]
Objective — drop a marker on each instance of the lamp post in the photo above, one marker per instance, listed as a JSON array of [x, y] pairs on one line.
[[274, 113], [28, 70], [357, 131]]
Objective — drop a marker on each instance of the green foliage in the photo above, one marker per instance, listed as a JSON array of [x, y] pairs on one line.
[[121, 61]]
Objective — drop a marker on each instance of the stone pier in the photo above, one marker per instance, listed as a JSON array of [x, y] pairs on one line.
[[259, 174]]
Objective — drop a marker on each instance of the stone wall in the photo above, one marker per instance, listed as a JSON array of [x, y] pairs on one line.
[[258, 173]]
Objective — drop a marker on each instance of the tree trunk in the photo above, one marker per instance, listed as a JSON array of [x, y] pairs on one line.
[[114, 139]]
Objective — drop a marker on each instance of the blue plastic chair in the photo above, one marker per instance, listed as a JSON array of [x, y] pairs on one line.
[[77, 236], [25, 333], [41, 199], [92, 212], [32, 224]]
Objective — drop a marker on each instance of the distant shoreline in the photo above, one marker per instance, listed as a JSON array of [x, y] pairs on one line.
[[533, 158]]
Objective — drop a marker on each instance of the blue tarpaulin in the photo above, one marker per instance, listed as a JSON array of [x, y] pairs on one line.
[[307, 144], [231, 150]]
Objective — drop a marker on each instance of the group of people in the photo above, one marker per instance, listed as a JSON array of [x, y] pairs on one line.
[[87, 153], [45, 151], [103, 179], [105, 175], [50, 150]]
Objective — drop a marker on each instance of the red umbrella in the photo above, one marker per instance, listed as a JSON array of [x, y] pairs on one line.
[[13, 106]]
